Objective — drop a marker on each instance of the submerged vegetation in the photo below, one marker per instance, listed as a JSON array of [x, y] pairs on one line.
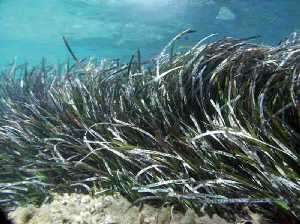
[[215, 129]]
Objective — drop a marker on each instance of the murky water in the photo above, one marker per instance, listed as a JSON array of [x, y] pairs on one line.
[[32, 29]]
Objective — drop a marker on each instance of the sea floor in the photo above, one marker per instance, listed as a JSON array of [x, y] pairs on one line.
[[85, 209]]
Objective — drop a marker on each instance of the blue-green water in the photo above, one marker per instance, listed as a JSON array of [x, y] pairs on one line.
[[32, 29]]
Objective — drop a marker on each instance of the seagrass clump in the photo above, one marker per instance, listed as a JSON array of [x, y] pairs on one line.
[[215, 128]]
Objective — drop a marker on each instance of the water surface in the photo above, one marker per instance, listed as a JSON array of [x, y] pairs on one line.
[[32, 29]]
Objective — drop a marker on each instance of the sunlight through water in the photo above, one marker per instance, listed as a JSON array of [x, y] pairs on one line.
[[32, 29]]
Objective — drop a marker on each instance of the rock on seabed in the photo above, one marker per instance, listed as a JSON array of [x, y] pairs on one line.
[[225, 14]]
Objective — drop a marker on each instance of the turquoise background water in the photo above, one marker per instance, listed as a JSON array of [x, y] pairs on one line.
[[32, 29]]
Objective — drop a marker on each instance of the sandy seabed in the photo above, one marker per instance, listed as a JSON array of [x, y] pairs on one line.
[[84, 209]]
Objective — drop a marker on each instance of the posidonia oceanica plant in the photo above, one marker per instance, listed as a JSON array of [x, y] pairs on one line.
[[214, 128]]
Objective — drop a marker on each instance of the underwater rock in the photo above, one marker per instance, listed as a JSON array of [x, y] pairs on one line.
[[225, 14]]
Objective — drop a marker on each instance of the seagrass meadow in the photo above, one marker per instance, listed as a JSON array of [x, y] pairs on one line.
[[214, 128]]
